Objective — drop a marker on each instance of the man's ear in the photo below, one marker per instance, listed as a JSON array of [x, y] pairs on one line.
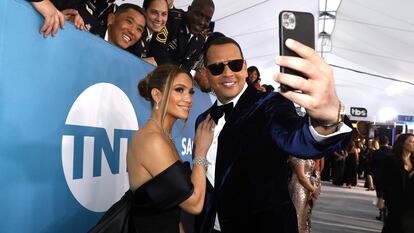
[[244, 69], [111, 18], [156, 95]]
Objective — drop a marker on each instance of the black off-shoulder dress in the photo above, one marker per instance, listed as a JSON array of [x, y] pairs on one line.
[[153, 207]]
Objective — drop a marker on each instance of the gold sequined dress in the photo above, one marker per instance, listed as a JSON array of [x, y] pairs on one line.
[[300, 195]]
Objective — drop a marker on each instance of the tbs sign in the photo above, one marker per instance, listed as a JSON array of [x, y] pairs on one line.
[[359, 112]]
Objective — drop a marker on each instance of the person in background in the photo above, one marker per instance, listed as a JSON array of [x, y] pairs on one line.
[[200, 77], [303, 190], [338, 168], [377, 168], [373, 145], [170, 4], [182, 41], [351, 164], [157, 15], [93, 12], [253, 77], [319, 166], [160, 184], [327, 172], [398, 186], [362, 160], [126, 25]]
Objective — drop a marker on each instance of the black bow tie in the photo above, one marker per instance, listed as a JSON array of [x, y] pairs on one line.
[[218, 111]]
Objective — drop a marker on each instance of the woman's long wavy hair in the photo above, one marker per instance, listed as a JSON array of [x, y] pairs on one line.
[[398, 148]]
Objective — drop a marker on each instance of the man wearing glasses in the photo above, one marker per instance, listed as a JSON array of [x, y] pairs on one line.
[[254, 133]]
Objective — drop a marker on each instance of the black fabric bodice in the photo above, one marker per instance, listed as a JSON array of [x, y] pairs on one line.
[[155, 203], [153, 207]]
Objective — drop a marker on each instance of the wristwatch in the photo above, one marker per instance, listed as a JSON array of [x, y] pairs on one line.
[[340, 119]]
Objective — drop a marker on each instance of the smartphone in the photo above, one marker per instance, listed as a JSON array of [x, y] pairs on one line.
[[299, 26]]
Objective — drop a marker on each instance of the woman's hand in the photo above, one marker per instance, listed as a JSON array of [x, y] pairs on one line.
[[204, 136], [314, 196]]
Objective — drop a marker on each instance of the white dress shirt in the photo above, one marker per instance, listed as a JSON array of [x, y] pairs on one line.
[[212, 151]]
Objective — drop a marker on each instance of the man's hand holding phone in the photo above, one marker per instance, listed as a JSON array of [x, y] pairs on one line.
[[318, 95]]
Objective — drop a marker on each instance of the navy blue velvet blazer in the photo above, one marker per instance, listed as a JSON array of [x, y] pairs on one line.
[[250, 190]]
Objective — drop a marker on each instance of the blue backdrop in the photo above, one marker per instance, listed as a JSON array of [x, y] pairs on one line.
[[40, 80]]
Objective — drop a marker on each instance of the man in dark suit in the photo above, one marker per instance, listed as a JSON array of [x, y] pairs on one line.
[[377, 162], [247, 167], [181, 42]]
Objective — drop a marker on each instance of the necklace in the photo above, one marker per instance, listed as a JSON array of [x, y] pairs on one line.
[[164, 132]]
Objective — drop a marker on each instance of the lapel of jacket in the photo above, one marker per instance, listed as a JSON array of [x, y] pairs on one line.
[[183, 37], [194, 46], [228, 145], [143, 43]]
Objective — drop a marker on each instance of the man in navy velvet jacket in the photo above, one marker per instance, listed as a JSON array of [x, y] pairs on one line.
[[247, 172]]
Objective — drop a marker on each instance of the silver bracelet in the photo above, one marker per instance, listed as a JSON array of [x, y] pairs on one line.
[[200, 161]]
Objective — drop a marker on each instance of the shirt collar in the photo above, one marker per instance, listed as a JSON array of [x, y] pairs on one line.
[[149, 34], [188, 32], [106, 35]]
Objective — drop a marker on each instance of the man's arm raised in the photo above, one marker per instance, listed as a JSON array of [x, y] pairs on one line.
[[318, 95]]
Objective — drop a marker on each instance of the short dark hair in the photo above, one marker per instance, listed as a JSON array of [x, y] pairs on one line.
[[220, 41], [200, 3], [383, 140], [213, 36], [126, 6]]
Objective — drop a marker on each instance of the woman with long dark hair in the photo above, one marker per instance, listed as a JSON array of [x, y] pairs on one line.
[[398, 186]]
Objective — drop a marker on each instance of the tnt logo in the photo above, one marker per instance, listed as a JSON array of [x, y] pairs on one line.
[[94, 146]]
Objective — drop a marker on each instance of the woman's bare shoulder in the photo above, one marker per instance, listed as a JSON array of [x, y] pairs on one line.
[[152, 150]]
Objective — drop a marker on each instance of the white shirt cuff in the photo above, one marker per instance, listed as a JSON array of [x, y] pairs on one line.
[[319, 138]]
